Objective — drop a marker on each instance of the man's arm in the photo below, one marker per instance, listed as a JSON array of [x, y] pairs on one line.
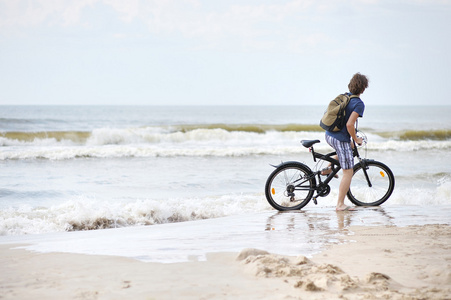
[[350, 125]]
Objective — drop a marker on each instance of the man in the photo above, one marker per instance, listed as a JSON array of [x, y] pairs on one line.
[[341, 140]]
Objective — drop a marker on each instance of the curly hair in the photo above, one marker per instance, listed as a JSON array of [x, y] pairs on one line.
[[358, 84]]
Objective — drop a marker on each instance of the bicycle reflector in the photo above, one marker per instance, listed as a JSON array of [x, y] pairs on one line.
[[382, 174], [273, 191]]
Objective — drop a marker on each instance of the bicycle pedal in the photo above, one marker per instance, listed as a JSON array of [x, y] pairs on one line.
[[314, 201]]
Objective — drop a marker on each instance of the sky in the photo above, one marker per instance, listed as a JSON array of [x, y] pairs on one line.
[[217, 52]]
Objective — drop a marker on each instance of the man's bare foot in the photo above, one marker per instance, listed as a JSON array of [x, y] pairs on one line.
[[327, 171], [345, 208]]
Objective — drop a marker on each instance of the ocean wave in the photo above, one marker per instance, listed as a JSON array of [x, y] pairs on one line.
[[257, 128], [89, 214], [418, 135], [84, 213], [229, 148], [21, 137], [150, 133], [176, 133], [60, 153], [142, 152], [181, 141], [409, 146]]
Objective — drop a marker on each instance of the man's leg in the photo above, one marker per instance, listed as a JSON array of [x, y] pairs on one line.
[[344, 188], [346, 158], [328, 170]]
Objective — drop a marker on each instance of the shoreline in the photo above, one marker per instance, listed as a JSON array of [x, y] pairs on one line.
[[305, 232], [411, 262]]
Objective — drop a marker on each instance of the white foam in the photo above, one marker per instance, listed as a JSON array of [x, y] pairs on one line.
[[409, 146], [86, 214], [153, 142]]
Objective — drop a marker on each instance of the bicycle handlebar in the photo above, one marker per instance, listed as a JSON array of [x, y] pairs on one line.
[[363, 137]]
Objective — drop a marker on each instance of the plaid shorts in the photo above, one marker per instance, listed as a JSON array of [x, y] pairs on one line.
[[344, 152]]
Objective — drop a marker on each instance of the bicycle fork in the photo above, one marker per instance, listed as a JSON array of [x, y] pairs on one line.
[[364, 169]]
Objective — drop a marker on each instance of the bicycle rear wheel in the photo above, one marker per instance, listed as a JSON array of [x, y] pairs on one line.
[[371, 186], [290, 186]]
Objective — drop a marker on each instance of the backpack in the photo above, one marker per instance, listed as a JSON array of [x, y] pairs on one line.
[[334, 116]]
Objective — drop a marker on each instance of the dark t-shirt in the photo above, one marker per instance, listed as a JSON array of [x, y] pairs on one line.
[[355, 104]]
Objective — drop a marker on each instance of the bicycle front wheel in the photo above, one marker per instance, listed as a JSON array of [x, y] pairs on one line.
[[371, 185], [290, 186]]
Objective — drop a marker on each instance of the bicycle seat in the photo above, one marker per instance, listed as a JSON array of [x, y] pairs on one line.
[[309, 143]]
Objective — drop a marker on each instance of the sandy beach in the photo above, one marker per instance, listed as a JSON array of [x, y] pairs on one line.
[[372, 262]]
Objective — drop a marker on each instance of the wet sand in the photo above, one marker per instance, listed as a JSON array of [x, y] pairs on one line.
[[360, 262]]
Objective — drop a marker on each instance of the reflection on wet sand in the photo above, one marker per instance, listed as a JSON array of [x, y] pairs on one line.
[[324, 219], [307, 231]]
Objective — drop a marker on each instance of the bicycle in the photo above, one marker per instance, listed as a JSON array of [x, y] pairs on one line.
[[292, 184]]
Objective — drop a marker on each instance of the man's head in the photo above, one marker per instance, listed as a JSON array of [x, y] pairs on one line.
[[358, 84]]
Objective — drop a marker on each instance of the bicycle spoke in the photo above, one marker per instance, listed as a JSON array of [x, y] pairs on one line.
[[287, 188], [372, 186]]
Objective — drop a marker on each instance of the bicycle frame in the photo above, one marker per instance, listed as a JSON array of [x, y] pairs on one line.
[[322, 188], [335, 164]]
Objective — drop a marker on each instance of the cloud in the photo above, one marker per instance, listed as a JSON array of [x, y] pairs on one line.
[[245, 26], [15, 15], [188, 17], [293, 26]]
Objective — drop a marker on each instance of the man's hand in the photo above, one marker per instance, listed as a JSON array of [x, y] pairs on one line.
[[359, 141]]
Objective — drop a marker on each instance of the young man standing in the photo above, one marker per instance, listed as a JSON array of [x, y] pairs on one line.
[[341, 140]]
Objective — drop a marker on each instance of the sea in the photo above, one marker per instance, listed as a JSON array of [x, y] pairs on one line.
[[68, 168], [93, 168]]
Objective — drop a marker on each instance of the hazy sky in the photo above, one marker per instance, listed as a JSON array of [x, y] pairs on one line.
[[223, 52]]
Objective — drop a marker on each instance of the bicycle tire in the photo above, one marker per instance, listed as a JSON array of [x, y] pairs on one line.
[[286, 177], [382, 184]]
